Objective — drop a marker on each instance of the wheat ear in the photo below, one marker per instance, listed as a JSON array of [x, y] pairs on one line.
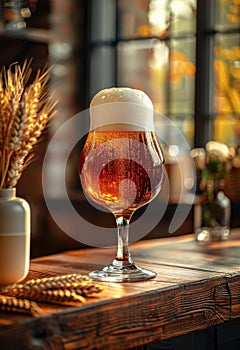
[[24, 114], [14, 304]]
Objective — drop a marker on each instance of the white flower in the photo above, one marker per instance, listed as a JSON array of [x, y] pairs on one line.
[[218, 151], [199, 156]]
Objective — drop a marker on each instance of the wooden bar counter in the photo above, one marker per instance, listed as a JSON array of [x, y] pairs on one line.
[[195, 299]]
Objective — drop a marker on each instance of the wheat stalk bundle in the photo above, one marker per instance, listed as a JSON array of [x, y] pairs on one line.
[[58, 289], [24, 113]]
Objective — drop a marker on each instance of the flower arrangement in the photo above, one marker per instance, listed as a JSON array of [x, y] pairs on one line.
[[212, 206], [25, 110], [212, 165]]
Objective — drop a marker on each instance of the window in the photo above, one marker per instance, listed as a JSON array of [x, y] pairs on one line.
[[226, 66], [185, 54]]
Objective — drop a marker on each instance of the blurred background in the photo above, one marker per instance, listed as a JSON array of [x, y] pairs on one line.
[[185, 54]]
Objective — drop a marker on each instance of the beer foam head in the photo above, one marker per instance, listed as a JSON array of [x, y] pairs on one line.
[[126, 106], [121, 95]]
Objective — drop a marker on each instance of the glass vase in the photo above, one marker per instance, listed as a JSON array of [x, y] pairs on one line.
[[212, 212], [14, 237]]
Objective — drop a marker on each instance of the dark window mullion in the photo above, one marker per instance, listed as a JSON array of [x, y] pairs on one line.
[[204, 73]]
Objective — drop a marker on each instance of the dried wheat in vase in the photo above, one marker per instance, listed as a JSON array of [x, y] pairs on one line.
[[25, 110], [24, 113]]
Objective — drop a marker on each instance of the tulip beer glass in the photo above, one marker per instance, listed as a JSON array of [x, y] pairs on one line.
[[121, 168]]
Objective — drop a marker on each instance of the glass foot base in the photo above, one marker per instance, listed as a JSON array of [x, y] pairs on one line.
[[122, 272]]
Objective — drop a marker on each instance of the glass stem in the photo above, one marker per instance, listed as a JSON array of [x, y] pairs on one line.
[[123, 235]]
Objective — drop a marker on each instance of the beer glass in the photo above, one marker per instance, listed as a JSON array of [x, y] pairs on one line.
[[121, 168]]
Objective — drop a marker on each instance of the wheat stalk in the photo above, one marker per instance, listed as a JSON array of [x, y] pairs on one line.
[[63, 288], [56, 281], [24, 113], [57, 295], [14, 304]]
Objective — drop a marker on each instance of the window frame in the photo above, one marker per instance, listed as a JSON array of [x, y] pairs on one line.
[[204, 79]]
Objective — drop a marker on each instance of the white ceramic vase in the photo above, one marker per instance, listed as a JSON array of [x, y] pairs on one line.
[[14, 237]]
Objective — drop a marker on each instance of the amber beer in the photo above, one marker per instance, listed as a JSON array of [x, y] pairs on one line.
[[121, 170]]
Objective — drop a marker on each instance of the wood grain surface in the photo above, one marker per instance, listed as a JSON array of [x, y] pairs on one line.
[[196, 287]]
